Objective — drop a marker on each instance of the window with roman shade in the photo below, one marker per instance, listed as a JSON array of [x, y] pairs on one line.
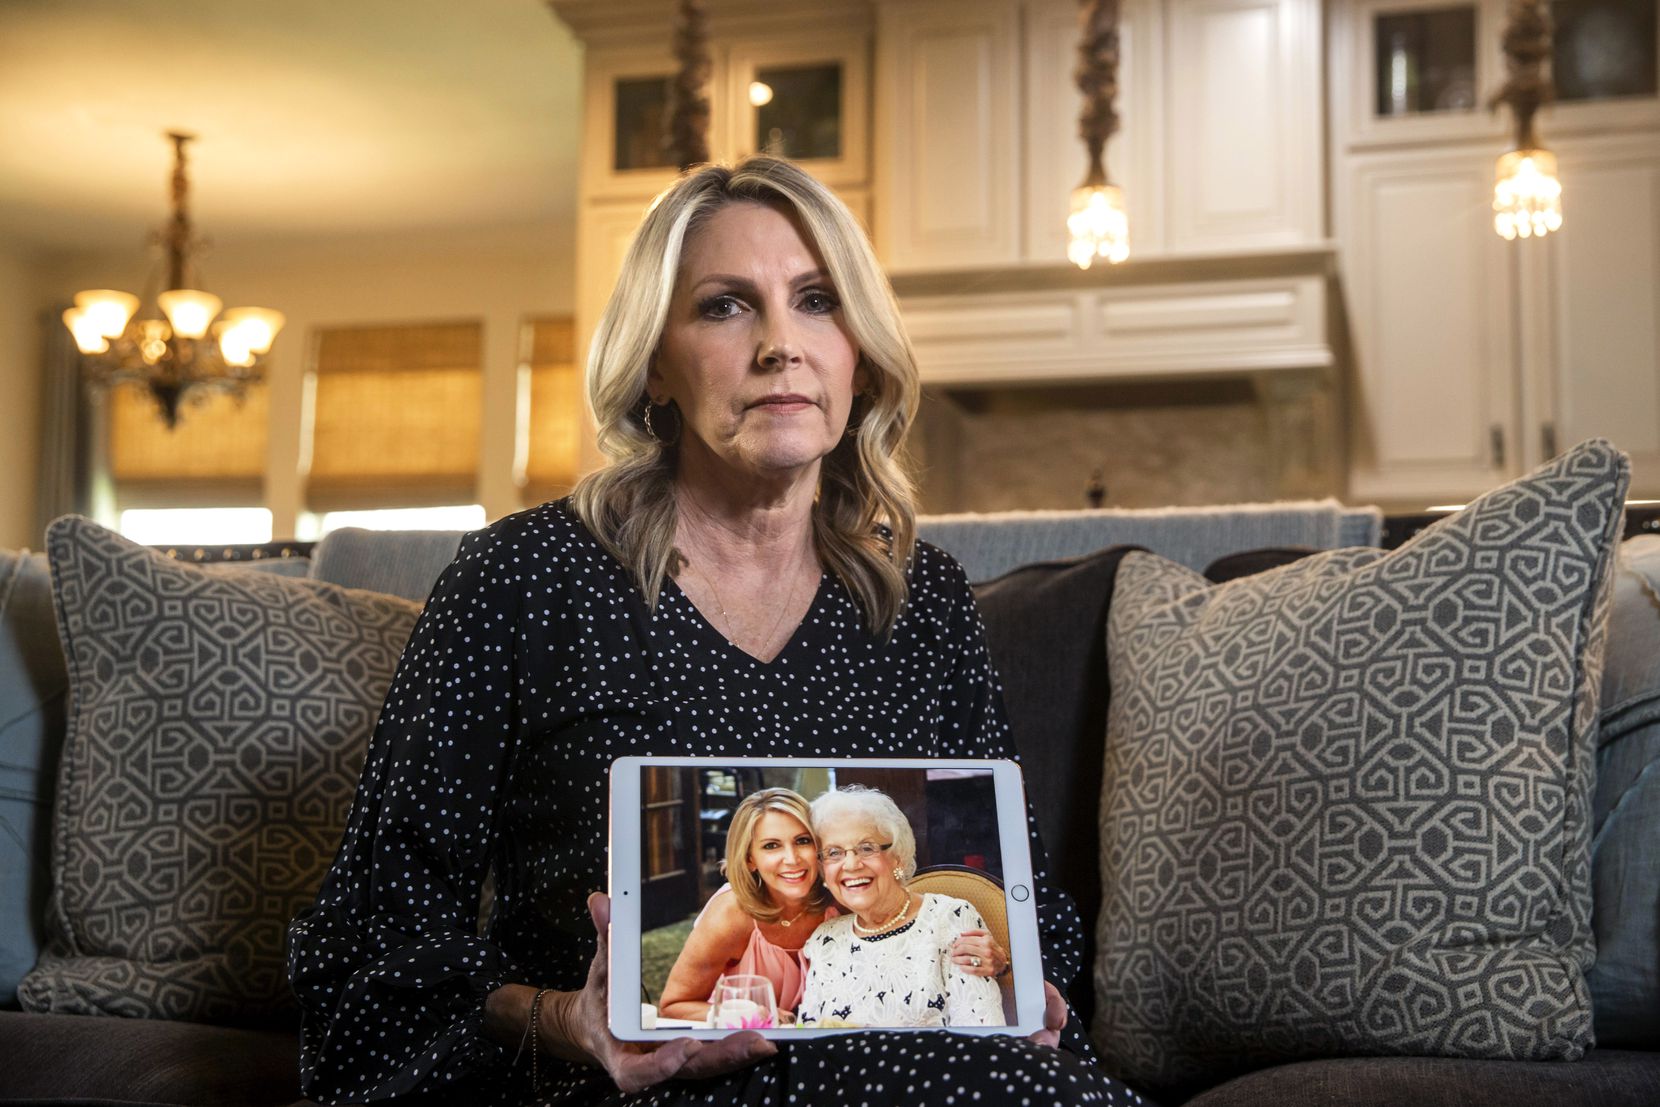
[[555, 405], [395, 416], [214, 457]]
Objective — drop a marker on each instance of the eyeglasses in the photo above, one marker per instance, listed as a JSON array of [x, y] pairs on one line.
[[835, 855]]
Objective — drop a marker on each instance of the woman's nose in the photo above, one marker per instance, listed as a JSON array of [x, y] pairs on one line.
[[779, 347]]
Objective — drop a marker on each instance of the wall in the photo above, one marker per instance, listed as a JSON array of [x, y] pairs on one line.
[[19, 398], [1036, 448], [499, 275]]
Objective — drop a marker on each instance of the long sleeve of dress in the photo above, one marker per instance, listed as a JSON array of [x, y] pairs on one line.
[[388, 965]]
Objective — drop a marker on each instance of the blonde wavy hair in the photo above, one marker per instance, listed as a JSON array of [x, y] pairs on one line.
[[752, 895], [629, 504]]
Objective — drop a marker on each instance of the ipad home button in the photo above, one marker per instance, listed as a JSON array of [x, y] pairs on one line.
[[1019, 892]]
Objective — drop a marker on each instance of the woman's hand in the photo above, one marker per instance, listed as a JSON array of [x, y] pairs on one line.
[[978, 954], [1054, 1017], [581, 1019]]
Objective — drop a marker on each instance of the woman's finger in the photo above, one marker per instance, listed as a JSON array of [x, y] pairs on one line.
[[735, 1051], [635, 1066], [1054, 1017]]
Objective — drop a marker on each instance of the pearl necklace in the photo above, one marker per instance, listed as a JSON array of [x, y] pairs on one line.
[[903, 911]]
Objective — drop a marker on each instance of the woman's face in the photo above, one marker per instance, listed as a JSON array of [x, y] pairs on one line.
[[755, 352], [783, 855], [863, 885]]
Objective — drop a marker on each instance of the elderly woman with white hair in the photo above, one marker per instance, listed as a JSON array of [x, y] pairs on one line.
[[742, 578], [887, 961]]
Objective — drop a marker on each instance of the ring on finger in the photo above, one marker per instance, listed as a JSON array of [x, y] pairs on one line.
[[975, 961]]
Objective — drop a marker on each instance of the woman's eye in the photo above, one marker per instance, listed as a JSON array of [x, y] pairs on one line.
[[819, 302], [719, 307]]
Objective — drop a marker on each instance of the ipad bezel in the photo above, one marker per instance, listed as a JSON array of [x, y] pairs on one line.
[[624, 883]]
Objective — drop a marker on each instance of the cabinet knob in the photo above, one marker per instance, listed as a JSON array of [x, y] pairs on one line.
[[1495, 445], [1547, 440]]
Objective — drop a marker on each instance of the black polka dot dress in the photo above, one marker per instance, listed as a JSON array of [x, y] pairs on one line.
[[534, 665]]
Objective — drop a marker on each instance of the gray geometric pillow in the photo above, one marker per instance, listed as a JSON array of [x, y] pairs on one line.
[[218, 723], [1346, 807]]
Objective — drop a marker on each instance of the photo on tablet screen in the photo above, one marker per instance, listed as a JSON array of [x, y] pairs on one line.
[[748, 920]]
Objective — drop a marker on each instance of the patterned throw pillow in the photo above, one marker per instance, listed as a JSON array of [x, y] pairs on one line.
[[218, 722], [1347, 801]]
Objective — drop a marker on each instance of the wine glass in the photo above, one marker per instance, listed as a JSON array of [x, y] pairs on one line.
[[743, 1001]]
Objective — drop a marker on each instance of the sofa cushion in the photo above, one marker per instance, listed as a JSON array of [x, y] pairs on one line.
[[1625, 862], [1347, 804], [218, 721], [1605, 1078], [401, 563], [33, 688], [73, 1059], [1044, 628], [993, 543]]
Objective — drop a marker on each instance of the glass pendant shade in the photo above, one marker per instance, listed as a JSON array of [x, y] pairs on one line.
[[255, 328], [1099, 226], [84, 327], [107, 310], [189, 310], [1527, 194]]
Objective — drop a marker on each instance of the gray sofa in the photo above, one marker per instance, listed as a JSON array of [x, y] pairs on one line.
[[80, 1059]]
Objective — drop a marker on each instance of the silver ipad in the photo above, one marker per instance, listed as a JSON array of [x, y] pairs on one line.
[[924, 918]]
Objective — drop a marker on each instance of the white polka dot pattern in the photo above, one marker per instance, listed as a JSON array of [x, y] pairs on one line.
[[534, 665]]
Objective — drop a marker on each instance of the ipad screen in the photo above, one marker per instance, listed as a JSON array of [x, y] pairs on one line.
[[894, 915]]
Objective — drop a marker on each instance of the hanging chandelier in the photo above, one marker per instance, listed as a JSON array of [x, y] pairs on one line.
[[1527, 194], [1099, 225], [168, 349]]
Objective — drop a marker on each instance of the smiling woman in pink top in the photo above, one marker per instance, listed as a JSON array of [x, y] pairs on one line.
[[758, 922]]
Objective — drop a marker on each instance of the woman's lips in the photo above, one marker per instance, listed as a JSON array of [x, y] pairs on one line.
[[858, 882], [783, 404]]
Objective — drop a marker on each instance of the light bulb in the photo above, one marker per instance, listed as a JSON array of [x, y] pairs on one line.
[[256, 327], [85, 329], [1099, 226], [759, 93], [1527, 195], [190, 310], [107, 310]]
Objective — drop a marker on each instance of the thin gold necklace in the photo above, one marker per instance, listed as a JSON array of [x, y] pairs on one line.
[[903, 911], [731, 624]]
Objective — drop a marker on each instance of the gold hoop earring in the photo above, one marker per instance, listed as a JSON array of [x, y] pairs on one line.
[[649, 429]]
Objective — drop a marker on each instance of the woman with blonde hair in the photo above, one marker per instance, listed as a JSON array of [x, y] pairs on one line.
[[741, 578], [756, 923]]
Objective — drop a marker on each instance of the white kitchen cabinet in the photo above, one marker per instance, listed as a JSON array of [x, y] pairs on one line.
[[1476, 359], [1428, 297], [1241, 82], [1593, 296], [948, 177], [1219, 147]]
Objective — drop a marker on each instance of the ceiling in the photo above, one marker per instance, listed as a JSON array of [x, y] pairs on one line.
[[314, 117]]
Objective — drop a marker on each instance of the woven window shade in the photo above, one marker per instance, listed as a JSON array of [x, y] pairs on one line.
[[396, 418], [215, 457], [556, 409]]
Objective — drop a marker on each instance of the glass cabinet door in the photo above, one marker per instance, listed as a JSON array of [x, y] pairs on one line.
[[1603, 49], [641, 128], [1424, 61], [798, 110]]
